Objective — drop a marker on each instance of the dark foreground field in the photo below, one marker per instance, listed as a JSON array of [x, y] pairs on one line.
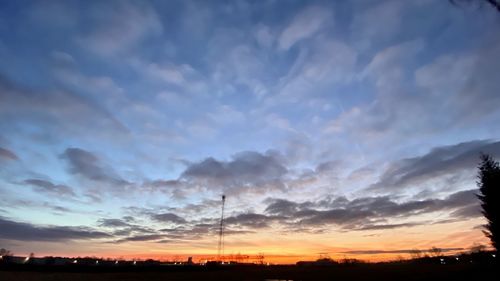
[[340, 272]]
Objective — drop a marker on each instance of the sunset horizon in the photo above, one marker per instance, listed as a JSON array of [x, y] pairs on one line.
[[259, 131]]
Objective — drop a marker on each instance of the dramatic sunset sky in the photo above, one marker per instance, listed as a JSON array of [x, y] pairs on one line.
[[349, 128]]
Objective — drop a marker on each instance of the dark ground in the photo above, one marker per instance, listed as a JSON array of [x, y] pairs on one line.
[[339, 272]]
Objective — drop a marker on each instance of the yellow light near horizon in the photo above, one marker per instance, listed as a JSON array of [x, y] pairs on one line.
[[292, 247]]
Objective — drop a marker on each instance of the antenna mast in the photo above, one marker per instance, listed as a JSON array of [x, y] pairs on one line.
[[220, 249]]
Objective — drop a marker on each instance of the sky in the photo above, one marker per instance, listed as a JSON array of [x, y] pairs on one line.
[[340, 128]]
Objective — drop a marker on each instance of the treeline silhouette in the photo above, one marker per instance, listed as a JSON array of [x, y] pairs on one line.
[[477, 255], [468, 266]]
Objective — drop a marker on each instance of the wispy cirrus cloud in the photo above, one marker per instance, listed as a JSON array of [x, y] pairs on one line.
[[305, 24], [111, 35]]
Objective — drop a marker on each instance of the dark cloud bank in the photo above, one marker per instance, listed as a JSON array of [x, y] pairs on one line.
[[12, 230], [362, 214], [372, 213]]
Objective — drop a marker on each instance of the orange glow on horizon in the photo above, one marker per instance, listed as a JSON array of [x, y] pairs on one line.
[[279, 248], [303, 250]]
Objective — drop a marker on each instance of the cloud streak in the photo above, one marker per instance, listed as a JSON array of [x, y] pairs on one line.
[[48, 187], [89, 166], [39, 106], [372, 213], [12, 230], [436, 163], [402, 251], [7, 154], [304, 25]]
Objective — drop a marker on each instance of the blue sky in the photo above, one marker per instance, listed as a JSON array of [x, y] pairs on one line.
[[125, 121]]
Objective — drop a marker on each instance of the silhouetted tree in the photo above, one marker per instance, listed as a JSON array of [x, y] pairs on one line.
[[5, 252], [489, 194], [493, 3], [477, 248], [415, 254], [436, 252], [260, 258]]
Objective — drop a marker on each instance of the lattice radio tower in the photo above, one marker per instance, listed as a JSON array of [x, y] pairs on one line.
[[220, 249]]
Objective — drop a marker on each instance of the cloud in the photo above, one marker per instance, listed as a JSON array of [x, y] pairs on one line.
[[140, 238], [87, 165], [264, 36], [328, 166], [125, 227], [245, 169], [168, 217], [196, 231], [20, 231], [7, 154], [285, 207], [225, 114], [393, 111], [456, 68], [436, 163], [116, 27], [402, 251], [387, 226], [201, 207], [59, 15], [372, 213], [240, 66], [304, 25], [481, 87], [48, 187], [251, 220], [181, 75], [466, 80], [361, 214], [184, 229], [387, 66], [51, 109], [328, 64], [407, 94], [114, 223], [176, 189], [386, 14], [278, 122], [341, 217], [470, 211], [36, 206]]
